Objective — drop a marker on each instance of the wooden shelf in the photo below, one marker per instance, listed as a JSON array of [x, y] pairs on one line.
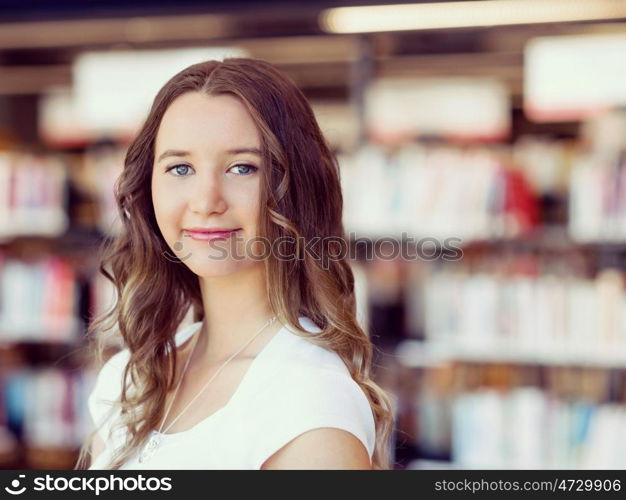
[[417, 354]]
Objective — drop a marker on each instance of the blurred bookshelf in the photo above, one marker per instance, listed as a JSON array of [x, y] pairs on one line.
[[501, 336], [513, 355], [49, 291]]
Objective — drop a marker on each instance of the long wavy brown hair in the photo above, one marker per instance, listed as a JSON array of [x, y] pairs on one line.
[[301, 199]]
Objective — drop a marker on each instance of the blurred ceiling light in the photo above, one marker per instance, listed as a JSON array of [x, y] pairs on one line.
[[465, 14]]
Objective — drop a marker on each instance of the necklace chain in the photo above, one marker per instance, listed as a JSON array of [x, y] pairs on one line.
[[156, 437]]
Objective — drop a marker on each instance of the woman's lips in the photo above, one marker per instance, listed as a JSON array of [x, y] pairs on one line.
[[209, 236]]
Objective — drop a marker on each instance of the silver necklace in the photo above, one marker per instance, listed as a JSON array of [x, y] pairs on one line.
[[157, 436]]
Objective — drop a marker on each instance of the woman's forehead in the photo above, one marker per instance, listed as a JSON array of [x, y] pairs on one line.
[[197, 121]]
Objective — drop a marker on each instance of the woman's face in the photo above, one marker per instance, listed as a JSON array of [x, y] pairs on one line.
[[207, 174]]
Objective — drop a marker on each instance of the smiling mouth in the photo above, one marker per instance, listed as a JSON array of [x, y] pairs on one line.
[[209, 235]]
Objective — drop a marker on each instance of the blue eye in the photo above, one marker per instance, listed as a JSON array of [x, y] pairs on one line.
[[250, 168], [178, 167], [182, 169]]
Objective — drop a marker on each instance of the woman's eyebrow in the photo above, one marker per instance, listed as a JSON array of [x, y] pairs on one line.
[[254, 151], [177, 153]]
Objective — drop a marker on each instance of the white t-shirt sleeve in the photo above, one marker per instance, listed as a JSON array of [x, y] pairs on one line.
[[313, 398], [106, 390]]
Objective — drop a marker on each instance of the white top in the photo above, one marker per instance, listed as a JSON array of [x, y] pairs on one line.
[[292, 386]]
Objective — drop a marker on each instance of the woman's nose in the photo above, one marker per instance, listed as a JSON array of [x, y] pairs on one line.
[[207, 196]]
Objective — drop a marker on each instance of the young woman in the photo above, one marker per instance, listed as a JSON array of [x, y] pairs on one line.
[[229, 200]]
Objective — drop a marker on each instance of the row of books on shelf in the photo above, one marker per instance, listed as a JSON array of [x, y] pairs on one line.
[[45, 408], [479, 192], [32, 194], [34, 199], [545, 317], [598, 198], [435, 191], [38, 300], [522, 428]]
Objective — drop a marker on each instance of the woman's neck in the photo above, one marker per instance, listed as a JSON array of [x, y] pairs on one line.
[[236, 306]]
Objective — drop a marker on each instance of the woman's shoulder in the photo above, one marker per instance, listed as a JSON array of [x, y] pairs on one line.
[[109, 379], [308, 371], [308, 387], [302, 354], [109, 375], [111, 370], [305, 400]]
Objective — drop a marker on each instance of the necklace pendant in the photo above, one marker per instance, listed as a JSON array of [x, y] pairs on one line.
[[151, 446]]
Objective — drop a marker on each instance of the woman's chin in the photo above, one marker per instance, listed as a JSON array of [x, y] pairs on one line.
[[210, 269]]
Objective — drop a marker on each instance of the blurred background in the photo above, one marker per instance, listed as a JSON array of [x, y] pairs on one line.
[[482, 152]]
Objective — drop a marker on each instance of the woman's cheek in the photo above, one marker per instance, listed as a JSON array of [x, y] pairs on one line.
[[249, 202], [170, 204], [167, 218]]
